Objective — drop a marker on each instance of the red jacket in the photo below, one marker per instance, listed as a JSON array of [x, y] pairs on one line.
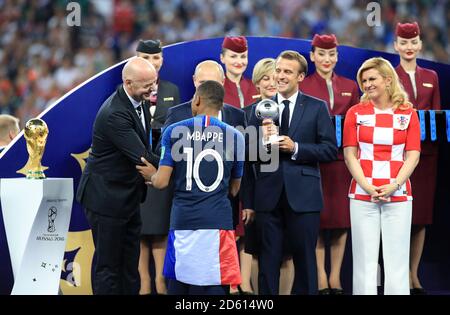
[[427, 84], [248, 90], [346, 92]]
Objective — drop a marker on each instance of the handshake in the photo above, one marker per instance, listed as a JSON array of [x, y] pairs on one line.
[[147, 170]]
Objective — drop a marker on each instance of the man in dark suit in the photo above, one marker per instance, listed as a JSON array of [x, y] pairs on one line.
[[288, 200], [111, 188], [211, 70], [155, 210]]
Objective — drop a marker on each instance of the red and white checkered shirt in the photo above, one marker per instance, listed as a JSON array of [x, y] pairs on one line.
[[382, 137]]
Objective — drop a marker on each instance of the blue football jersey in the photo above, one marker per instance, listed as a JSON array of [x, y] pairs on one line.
[[205, 153]]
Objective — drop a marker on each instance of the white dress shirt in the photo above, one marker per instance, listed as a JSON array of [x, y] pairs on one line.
[[136, 104]]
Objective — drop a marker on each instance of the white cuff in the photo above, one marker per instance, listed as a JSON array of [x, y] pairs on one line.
[[294, 155]]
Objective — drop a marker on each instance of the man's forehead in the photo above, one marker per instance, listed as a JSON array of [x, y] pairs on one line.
[[214, 75], [146, 79], [286, 63]]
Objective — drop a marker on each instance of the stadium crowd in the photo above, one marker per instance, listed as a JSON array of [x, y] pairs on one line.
[[42, 57]]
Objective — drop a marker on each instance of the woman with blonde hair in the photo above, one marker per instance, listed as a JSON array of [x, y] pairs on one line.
[[381, 150]]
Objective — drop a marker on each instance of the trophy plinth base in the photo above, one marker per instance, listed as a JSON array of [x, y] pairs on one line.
[[36, 216]]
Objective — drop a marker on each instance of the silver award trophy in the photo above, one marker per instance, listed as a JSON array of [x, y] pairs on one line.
[[268, 111]]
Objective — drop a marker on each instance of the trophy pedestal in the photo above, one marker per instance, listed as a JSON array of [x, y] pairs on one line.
[[36, 214]]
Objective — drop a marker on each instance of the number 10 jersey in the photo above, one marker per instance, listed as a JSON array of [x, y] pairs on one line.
[[205, 154]]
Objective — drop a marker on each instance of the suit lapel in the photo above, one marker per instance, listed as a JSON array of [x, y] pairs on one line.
[[146, 112], [407, 84], [134, 114], [224, 115], [277, 121], [299, 109]]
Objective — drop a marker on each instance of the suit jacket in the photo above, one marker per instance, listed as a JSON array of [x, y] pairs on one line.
[[168, 96], [249, 109], [231, 93], [249, 176], [427, 85], [110, 184], [311, 127], [345, 91]]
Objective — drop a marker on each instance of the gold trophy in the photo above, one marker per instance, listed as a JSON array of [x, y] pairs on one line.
[[36, 132]]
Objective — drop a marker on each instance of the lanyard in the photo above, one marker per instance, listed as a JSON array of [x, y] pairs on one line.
[[432, 125], [151, 139], [338, 121], [423, 131], [447, 115]]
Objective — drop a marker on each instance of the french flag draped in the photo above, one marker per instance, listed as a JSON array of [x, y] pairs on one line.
[[202, 257]]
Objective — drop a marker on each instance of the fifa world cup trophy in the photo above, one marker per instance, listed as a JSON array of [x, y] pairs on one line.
[[36, 132]]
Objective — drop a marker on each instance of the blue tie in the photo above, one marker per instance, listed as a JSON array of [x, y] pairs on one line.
[[284, 128]]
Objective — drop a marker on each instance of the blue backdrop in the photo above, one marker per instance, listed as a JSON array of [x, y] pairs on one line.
[[70, 122]]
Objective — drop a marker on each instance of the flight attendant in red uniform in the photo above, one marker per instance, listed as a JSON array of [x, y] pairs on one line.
[[239, 91], [340, 94], [422, 86]]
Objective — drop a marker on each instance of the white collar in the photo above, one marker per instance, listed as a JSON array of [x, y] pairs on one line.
[[291, 99], [132, 100]]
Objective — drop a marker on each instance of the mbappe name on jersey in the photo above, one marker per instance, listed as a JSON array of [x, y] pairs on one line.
[[205, 136]]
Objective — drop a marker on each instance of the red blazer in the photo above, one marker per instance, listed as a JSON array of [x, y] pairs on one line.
[[427, 84], [248, 90], [346, 92]]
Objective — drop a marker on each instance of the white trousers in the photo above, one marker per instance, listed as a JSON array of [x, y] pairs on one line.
[[393, 220]]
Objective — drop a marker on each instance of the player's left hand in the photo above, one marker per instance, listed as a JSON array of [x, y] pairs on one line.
[[146, 170], [248, 215], [286, 144]]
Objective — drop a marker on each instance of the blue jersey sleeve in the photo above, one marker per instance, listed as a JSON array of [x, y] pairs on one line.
[[239, 158], [166, 148]]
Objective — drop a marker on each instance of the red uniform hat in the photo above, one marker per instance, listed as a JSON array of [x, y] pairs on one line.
[[237, 43], [407, 30], [324, 41]]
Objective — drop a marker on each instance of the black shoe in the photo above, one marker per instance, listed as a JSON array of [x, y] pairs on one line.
[[418, 291], [242, 292], [325, 291], [336, 291]]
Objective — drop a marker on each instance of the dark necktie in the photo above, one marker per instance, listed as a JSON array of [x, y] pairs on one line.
[[284, 128], [139, 110]]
